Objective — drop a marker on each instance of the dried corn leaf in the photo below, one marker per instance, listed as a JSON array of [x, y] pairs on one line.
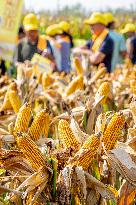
[[124, 164], [78, 133], [104, 190], [127, 194]]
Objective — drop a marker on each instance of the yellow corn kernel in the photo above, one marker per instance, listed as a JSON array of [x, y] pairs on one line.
[[88, 152], [78, 66], [23, 118], [45, 130], [14, 100], [37, 125], [66, 136], [76, 84], [113, 131], [30, 150]]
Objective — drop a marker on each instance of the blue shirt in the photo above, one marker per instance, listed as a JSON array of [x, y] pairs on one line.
[[119, 46], [107, 49], [65, 55]]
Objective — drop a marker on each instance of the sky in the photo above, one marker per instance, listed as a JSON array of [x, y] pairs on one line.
[[37, 5]]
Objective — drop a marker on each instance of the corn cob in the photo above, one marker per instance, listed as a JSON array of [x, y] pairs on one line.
[[6, 104], [36, 128], [75, 84], [88, 151], [78, 66], [23, 117], [13, 86], [66, 136], [133, 86], [98, 74], [47, 80], [113, 131], [14, 100], [30, 150], [46, 125], [104, 90]]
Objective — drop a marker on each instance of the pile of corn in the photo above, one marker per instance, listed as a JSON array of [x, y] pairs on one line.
[[45, 140]]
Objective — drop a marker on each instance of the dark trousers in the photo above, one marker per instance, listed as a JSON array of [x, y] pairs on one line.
[[2, 67]]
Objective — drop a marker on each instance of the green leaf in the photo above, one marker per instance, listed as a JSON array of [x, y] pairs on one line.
[[111, 202], [106, 107], [55, 166], [95, 169], [2, 171]]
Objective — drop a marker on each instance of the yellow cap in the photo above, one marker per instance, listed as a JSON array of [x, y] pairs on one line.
[[53, 30], [130, 27], [109, 17], [64, 25], [96, 18], [30, 22]]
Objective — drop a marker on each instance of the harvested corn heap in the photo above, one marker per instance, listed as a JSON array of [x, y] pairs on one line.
[[70, 166]]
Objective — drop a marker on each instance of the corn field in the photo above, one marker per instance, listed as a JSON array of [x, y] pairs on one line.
[[68, 139]]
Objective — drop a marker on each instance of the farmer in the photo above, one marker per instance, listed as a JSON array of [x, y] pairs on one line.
[[119, 51], [129, 31], [65, 26], [52, 32], [66, 43], [100, 48], [33, 43]]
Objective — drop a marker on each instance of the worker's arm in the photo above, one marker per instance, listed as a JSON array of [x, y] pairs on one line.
[[96, 58], [85, 49], [105, 50], [82, 50], [129, 48], [123, 48]]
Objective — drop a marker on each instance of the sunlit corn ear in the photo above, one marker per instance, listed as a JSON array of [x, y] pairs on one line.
[[37, 125], [113, 131], [30, 150], [6, 103], [88, 151], [66, 136], [78, 66], [103, 92], [23, 118], [15, 100], [75, 84]]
